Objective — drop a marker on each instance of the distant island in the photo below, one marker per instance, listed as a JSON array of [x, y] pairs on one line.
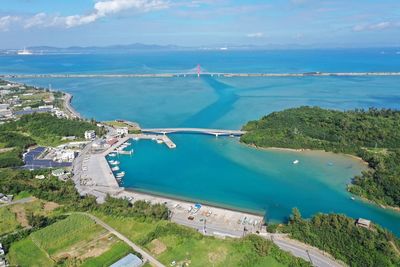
[[372, 135]]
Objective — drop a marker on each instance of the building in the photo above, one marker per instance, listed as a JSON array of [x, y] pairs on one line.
[[129, 260], [122, 131], [65, 155], [90, 135], [5, 198], [363, 223]]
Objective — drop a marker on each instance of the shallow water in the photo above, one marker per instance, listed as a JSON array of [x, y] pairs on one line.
[[220, 170]]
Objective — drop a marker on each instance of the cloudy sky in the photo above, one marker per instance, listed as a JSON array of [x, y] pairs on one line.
[[320, 23]]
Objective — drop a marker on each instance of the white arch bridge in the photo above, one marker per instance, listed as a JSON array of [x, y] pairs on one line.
[[215, 132]]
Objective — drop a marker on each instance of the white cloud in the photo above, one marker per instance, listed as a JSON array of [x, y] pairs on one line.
[[37, 20], [100, 10], [376, 26], [255, 35], [104, 8], [6, 21]]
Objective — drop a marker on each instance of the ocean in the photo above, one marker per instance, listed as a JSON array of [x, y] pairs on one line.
[[221, 171]]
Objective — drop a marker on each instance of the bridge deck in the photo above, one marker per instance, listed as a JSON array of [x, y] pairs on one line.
[[194, 130]]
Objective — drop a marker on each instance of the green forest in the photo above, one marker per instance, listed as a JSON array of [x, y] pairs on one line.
[[370, 134], [338, 235], [42, 129]]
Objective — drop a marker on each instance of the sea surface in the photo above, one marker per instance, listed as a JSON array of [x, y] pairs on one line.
[[221, 171]]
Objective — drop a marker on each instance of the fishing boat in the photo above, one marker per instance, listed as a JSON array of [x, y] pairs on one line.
[[120, 175], [296, 161]]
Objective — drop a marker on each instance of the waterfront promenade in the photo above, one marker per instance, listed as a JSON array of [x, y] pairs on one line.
[[170, 75]]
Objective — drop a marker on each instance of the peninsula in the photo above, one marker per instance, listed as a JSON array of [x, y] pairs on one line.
[[370, 134]]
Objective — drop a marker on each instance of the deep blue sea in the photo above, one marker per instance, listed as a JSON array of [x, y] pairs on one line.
[[221, 171]]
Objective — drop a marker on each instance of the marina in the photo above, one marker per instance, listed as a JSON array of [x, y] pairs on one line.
[[95, 175]]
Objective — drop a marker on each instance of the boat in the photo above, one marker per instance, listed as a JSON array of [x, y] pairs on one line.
[[112, 155], [24, 52], [114, 162], [159, 141], [353, 198], [128, 144], [120, 175], [296, 161], [116, 168]]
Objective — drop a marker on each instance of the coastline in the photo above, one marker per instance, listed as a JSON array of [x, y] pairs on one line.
[[68, 106], [305, 150]]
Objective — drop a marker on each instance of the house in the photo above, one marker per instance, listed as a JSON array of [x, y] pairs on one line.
[[90, 135], [363, 223], [129, 260], [65, 155], [112, 141], [5, 198], [122, 131]]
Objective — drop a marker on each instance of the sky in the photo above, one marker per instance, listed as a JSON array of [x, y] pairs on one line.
[[323, 23]]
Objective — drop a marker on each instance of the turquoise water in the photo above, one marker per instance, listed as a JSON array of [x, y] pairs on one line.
[[221, 171]]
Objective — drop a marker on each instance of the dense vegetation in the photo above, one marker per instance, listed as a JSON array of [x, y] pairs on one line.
[[372, 135], [250, 250], [52, 189], [47, 129], [338, 235]]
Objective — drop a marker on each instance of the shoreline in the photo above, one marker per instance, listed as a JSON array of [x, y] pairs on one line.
[[68, 105], [305, 150]]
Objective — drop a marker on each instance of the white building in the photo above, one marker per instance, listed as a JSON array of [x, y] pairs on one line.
[[90, 135], [122, 131], [65, 155]]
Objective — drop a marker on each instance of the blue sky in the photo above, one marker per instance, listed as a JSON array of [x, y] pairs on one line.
[[352, 23]]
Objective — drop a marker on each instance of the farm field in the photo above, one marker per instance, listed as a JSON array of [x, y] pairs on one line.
[[173, 243], [64, 234], [26, 253], [8, 221], [118, 250], [73, 241]]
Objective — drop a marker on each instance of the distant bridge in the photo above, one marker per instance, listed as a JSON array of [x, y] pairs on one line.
[[190, 74], [215, 132]]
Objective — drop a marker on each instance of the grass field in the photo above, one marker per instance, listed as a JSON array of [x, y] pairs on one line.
[[63, 234], [26, 253], [190, 247], [8, 221], [21, 195], [117, 251]]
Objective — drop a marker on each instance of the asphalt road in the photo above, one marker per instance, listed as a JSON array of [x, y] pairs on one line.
[[23, 200]]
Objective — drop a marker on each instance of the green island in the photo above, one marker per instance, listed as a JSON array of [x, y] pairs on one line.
[[372, 135]]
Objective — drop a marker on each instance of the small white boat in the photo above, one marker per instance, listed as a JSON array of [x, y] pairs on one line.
[[353, 198], [114, 162], [136, 138], [159, 141], [296, 161], [128, 144], [112, 155], [116, 168]]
